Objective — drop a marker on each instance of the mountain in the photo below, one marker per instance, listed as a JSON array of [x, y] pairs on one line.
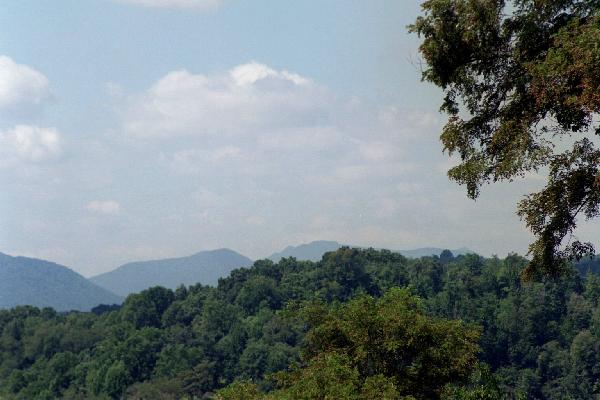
[[432, 251], [312, 251], [205, 267], [587, 264], [29, 281]]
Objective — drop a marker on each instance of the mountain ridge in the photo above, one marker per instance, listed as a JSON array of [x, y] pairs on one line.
[[41, 283], [205, 267], [57, 286], [313, 251]]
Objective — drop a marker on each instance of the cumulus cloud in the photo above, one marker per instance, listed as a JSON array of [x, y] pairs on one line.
[[200, 5], [256, 120], [106, 207], [29, 144], [21, 86], [247, 98]]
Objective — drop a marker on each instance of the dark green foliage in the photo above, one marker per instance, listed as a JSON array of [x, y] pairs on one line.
[[538, 340], [147, 307], [522, 80]]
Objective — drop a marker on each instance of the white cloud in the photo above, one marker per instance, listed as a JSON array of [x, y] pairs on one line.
[[254, 120], [253, 72], [106, 207], [29, 144], [21, 86], [249, 98], [200, 5]]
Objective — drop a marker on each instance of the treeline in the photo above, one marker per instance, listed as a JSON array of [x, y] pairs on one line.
[[303, 330]]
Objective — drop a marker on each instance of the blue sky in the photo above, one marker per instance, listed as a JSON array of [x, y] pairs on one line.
[[138, 129]]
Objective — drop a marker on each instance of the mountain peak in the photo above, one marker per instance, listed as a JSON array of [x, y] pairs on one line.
[[40, 283]]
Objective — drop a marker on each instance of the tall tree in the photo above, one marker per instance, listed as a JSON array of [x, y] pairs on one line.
[[521, 80]]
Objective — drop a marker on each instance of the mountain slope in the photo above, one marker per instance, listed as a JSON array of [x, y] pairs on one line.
[[587, 264], [205, 267], [29, 281]]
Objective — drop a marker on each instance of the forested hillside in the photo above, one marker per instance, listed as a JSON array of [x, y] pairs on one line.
[[341, 323]]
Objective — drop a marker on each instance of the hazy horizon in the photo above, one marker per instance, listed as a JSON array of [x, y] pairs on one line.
[[133, 130], [112, 268]]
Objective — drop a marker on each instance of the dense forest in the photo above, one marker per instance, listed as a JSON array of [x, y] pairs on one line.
[[359, 324]]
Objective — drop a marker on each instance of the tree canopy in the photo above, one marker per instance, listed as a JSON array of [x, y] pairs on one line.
[[376, 348], [521, 80], [364, 323]]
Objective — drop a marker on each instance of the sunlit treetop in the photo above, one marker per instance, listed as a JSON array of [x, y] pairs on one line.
[[522, 89]]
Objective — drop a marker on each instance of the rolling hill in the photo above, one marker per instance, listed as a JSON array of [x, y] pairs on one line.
[[205, 267], [30, 281]]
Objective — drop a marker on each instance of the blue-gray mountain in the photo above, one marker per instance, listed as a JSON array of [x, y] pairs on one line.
[[29, 281], [205, 267], [432, 251], [313, 251]]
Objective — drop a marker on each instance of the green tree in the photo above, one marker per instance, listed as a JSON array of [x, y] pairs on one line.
[[375, 348], [393, 337], [146, 308], [116, 380], [521, 80]]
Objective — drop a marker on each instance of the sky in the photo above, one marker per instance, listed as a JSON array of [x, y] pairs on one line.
[[143, 129]]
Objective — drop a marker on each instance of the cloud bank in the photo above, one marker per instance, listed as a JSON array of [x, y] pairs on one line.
[[21, 86]]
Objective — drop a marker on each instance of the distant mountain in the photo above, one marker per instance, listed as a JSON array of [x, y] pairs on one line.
[[314, 251], [587, 264], [433, 251], [205, 267], [29, 281]]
